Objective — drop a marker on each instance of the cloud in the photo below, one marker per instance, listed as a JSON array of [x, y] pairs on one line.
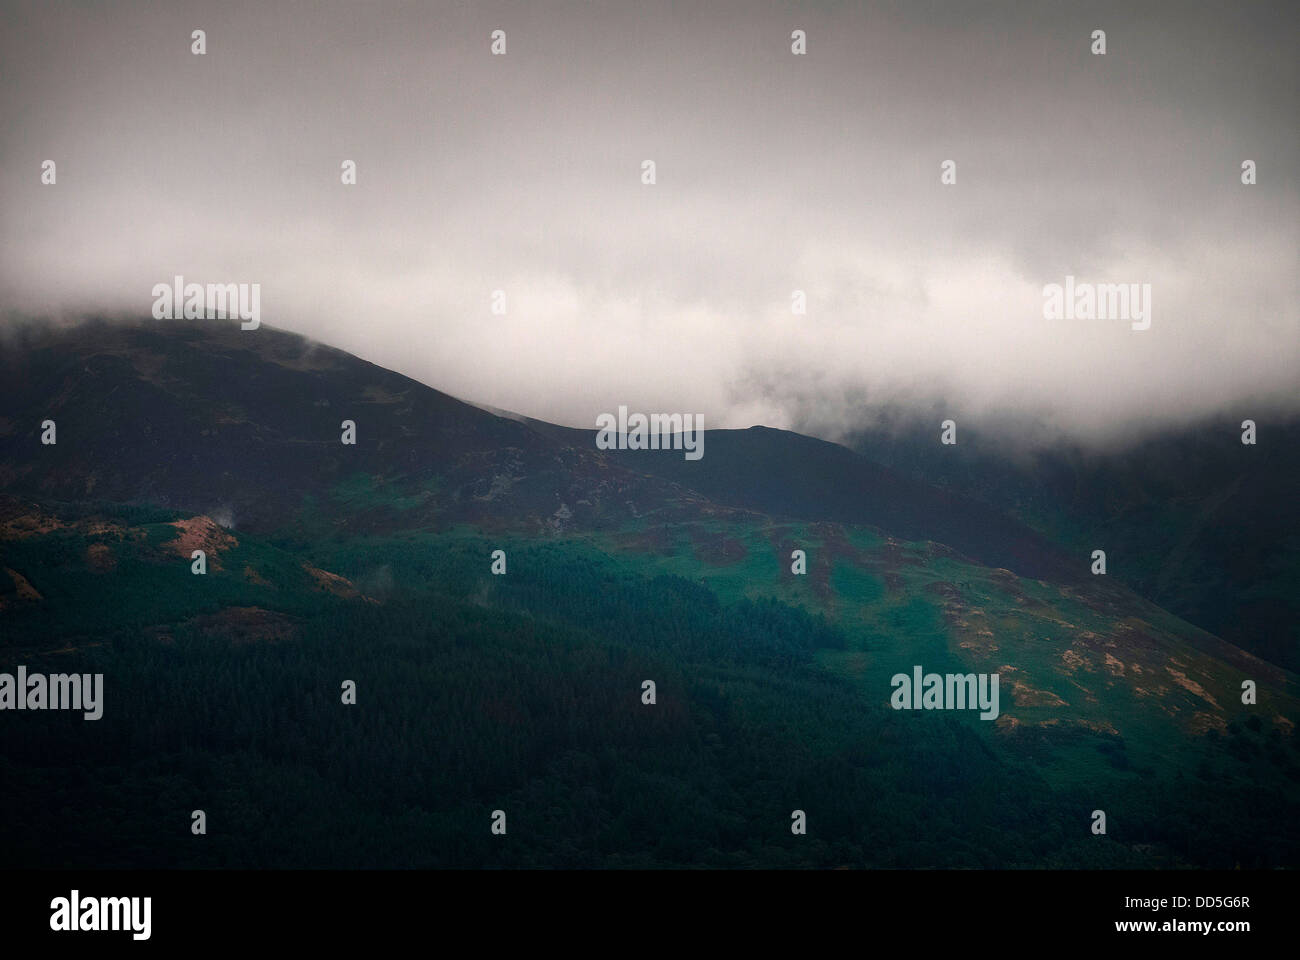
[[775, 173]]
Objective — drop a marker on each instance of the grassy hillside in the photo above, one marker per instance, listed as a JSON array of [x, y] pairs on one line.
[[522, 692], [1193, 519]]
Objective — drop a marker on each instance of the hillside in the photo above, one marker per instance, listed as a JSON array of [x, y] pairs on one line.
[[1191, 518], [522, 691]]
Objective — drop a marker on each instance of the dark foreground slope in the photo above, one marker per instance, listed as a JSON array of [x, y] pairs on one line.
[[523, 692]]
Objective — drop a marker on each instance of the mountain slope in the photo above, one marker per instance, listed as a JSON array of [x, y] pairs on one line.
[[208, 418], [1194, 519], [477, 690]]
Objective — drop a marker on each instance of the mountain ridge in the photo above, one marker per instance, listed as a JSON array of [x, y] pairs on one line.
[[500, 589]]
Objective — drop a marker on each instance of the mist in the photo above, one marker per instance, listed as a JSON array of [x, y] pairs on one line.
[[775, 173]]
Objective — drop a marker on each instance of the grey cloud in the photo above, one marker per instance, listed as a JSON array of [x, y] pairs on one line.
[[775, 173]]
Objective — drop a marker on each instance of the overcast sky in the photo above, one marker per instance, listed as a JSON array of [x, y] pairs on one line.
[[775, 172]]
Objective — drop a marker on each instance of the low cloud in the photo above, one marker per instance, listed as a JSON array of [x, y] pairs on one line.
[[775, 173]]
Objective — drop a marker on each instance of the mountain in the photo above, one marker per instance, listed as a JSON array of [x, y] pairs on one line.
[[200, 418], [521, 687], [203, 419], [1192, 518]]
